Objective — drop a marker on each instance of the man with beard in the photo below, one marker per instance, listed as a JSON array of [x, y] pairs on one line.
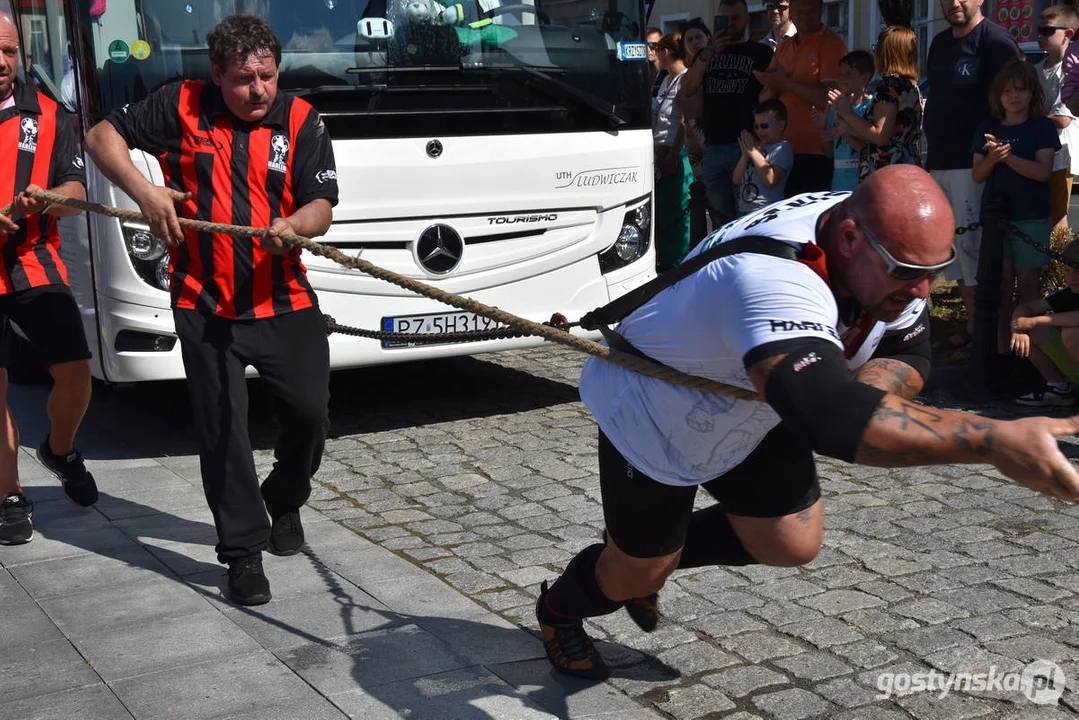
[[962, 62], [723, 72], [820, 308]]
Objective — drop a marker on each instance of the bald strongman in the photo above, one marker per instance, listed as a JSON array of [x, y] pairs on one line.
[[821, 308]]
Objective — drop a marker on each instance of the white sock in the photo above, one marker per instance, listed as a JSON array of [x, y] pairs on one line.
[[1061, 386]]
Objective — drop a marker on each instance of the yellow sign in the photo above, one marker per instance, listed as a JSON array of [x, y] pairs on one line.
[[140, 49]]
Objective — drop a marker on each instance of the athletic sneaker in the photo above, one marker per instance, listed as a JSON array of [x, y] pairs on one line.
[[16, 520], [79, 485], [247, 582], [1049, 396], [286, 530], [644, 611], [568, 646]]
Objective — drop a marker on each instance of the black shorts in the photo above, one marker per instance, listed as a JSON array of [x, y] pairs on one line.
[[649, 519], [49, 317]]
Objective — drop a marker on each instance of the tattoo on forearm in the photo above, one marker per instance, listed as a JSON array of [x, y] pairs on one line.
[[892, 438], [892, 376]]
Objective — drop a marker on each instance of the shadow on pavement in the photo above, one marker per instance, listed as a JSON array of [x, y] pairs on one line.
[[154, 419]]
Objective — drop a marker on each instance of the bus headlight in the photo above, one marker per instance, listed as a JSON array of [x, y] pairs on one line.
[[632, 241], [142, 244], [148, 255]]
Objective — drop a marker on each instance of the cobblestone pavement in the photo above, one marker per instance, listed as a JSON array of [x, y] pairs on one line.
[[483, 472]]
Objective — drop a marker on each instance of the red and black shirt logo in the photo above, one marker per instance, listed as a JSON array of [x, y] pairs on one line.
[[37, 145], [238, 173]]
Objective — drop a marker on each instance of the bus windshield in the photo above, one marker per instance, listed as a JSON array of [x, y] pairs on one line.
[[394, 67]]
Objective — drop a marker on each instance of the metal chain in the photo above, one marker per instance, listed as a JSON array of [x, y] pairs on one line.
[[1039, 246], [967, 228]]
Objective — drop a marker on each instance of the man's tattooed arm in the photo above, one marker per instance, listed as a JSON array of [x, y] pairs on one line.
[[901, 434], [890, 375]]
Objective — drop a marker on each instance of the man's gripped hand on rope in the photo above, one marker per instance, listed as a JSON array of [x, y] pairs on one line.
[[270, 241], [158, 204], [27, 204]]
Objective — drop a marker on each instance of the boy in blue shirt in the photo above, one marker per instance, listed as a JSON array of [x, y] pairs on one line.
[[856, 69]]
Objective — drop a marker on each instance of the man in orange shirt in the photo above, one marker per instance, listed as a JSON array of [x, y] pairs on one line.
[[801, 71]]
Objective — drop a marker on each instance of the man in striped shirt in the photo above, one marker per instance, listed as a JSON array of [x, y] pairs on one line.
[[38, 150], [236, 151]]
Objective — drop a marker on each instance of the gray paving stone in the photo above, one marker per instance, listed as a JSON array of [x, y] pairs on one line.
[[25, 625], [43, 669], [782, 613], [566, 697], [92, 702], [1028, 649], [225, 687], [694, 702], [694, 658], [837, 602], [65, 576], [824, 632], [990, 627], [845, 692], [164, 644], [951, 707], [787, 589], [111, 608], [865, 654], [741, 681], [760, 646], [814, 666], [310, 707], [925, 640], [66, 542], [726, 623], [794, 704], [930, 611]]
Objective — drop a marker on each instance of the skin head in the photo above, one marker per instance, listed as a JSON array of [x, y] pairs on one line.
[[695, 39], [771, 134], [962, 13], [851, 81], [9, 55], [806, 15], [737, 19], [651, 38], [248, 86], [779, 15], [906, 211]]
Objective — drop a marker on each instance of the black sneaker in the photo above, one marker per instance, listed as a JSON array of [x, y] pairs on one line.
[[644, 611], [247, 582], [286, 531], [1049, 396], [79, 485], [568, 646], [16, 520]]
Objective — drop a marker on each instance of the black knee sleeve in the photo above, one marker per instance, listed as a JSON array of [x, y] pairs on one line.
[[577, 594], [712, 541]]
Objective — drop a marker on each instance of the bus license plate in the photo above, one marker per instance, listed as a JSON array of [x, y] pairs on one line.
[[435, 323]]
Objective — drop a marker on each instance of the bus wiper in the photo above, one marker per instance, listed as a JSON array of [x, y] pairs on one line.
[[559, 87], [328, 89]]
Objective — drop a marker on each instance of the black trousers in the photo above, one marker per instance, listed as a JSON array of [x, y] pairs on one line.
[[291, 354], [810, 173]]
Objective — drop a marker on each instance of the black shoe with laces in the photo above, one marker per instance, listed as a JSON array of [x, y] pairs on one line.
[[247, 582], [568, 646], [79, 485], [16, 520], [286, 530]]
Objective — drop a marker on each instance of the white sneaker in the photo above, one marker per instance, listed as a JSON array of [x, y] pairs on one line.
[[1049, 396]]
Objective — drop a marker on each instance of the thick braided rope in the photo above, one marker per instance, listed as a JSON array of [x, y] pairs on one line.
[[637, 364]]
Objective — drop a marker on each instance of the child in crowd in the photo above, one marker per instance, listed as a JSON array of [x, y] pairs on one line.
[[1013, 155], [855, 71], [767, 158], [1047, 331], [1056, 28]]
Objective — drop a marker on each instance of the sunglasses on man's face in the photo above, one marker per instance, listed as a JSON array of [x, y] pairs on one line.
[[780, 8], [766, 125], [1048, 30], [904, 271], [653, 46]]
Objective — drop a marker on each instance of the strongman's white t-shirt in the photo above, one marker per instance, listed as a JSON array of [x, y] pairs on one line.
[[704, 325]]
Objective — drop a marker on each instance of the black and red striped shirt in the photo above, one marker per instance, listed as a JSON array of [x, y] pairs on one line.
[[37, 145], [238, 173]]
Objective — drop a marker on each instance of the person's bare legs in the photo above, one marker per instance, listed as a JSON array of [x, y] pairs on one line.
[[9, 451], [67, 404]]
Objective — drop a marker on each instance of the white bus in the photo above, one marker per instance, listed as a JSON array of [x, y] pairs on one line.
[[509, 160]]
